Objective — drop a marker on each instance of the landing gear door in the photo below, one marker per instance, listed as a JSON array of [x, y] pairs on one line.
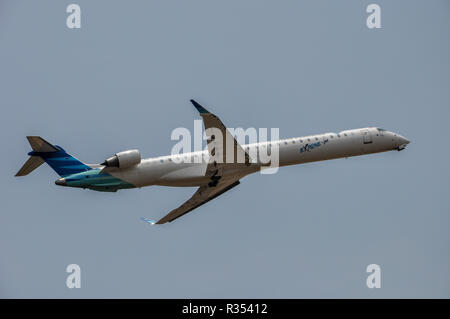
[[367, 137]]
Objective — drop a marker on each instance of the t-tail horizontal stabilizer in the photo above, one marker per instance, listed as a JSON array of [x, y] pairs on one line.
[[62, 163], [30, 165], [39, 145]]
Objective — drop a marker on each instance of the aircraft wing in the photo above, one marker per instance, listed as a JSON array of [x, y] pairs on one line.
[[227, 152], [203, 195], [218, 165]]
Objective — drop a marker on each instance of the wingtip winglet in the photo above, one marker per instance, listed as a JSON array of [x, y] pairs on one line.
[[199, 108], [148, 220]]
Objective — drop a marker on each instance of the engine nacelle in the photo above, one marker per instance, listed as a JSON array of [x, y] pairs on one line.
[[124, 159]]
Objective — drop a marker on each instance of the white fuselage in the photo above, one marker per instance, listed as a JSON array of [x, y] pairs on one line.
[[171, 171]]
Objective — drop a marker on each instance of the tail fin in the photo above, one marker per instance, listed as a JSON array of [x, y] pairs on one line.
[[61, 162]]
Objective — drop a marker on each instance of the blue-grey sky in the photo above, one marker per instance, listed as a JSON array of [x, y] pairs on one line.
[[124, 81]]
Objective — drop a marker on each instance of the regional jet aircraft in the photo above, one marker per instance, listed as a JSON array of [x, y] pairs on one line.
[[214, 173]]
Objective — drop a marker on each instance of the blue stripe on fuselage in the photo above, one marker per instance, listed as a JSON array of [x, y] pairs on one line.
[[96, 180]]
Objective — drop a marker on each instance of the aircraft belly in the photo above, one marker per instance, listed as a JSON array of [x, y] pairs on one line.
[[138, 176], [192, 175]]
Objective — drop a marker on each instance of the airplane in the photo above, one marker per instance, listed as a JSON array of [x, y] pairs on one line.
[[213, 177]]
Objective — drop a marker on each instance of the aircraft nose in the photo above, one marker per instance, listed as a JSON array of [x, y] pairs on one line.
[[401, 142], [61, 182], [404, 140]]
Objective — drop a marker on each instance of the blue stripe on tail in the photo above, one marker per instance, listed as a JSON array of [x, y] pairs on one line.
[[61, 162]]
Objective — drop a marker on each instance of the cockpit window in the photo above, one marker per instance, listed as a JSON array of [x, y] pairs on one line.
[[380, 129]]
